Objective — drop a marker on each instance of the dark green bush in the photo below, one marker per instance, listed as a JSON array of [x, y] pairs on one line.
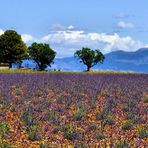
[[122, 144], [109, 120], [127, 126], [100, 136], [79, 114], [44, 145], [81, 145], [69, 134], [5, 145], [99, 116], [52, 116], [4, 128], [33, 133], [143, 133], [93, 127]]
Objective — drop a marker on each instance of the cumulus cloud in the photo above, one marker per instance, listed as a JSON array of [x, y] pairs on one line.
[[66, 42], [1, 31], [59, 27], [124, 25], [27, 38]]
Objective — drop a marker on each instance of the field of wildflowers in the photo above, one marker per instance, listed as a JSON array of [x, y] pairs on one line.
[[59, 110]]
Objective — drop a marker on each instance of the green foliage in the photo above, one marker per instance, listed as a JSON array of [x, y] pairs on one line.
[[127, 126], [27, 117], [44, 145], [81, 145], [79, 114], [93, 127], [69, 132], [5, 145], [121, 144], [109, 120], [52, 116], [143, 133], [4, 128], [12, 48], [134, 117], [89, 57], [69, 135], [99, 117], [100, 136], [33, 133], [31, 124], [42, 54]]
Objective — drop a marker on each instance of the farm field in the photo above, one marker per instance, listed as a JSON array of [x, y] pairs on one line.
[[69, 110]]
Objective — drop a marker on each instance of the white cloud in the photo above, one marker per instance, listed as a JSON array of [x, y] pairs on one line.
[[1, 31], [124, 25], [59, 27], [27, 38], [66, 42], [71, 27]]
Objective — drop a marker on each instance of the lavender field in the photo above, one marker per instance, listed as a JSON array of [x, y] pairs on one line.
[[54, 110]]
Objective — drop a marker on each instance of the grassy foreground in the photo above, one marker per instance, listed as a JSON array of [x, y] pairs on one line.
[[92, 71]]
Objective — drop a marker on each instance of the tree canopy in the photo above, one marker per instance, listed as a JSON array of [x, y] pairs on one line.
[[42, 54], [89, 57], [12, 48]]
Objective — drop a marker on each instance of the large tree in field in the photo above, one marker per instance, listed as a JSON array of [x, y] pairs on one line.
[[12, 48], [42, 54], [89, 57]]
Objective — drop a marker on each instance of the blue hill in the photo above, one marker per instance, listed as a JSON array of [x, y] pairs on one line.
[[118, 60]]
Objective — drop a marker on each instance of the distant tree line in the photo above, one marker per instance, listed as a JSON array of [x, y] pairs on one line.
[[14, 50]]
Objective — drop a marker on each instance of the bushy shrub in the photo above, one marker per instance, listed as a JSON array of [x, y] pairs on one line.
[[134, 117], [69, 134], [81, 145], [100, 136], [5, 145], [127, 126], [27, 117], [4, 128], [122, 144], [109, 120], [42, 145], [93, 127], [99, 117], [52, 116], [79, 114], [33, 133], [143, 133]]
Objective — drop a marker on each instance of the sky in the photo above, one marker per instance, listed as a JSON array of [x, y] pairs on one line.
[[69, 25]]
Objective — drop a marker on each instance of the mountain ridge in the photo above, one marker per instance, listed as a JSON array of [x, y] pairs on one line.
[[117, 60]]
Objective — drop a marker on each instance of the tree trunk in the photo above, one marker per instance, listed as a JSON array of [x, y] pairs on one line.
[[10, 65], [41, 67], [19, 65], [88, 68]]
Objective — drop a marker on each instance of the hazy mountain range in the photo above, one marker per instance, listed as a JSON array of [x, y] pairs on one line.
[[118, 60]]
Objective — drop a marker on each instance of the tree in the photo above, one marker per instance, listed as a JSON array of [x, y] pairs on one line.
[[42, 54], [12, 48], [89, 57]]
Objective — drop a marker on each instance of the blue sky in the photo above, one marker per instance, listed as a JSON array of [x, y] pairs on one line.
[[68, 25]]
